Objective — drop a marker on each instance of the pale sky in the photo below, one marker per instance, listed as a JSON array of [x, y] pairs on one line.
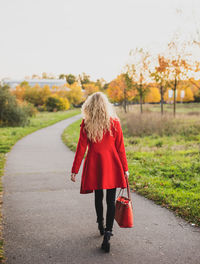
[[91, 36]]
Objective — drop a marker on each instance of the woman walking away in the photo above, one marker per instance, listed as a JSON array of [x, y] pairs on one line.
[[105, 165]]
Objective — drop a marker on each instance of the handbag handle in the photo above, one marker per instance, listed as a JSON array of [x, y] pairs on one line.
[[128, 189]]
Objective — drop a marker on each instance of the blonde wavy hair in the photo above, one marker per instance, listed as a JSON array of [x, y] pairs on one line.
[[98, 114]]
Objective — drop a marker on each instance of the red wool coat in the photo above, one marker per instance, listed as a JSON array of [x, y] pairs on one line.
[[105, 161]]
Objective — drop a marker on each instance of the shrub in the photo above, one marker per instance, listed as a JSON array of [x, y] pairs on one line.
[[11, 113], [30, 109], [41, 108], [37, 95], [197, 97], [15, 115], [75, 94], [52, 104], [55, 103], [64, 104]]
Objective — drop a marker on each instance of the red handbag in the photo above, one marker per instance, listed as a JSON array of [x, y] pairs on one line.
[[124, 209]]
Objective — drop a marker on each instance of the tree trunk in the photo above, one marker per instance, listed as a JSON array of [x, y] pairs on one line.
[[125, 101], [175, 85], [161, 94], [125, 110], [141, 110]]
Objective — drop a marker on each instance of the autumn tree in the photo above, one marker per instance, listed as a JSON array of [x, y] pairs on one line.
[[48, 76], [105, 87], [121, 90], [128, 88], [161, 75], [55, 103], [44, 75], [178, 67], [61, 91], [37, 95], [138, 71], [189, 97], [84, 79], [61, 76], [19, 92], [153, 96], [75, 94], [196, 89], [44, 93], [115, 89], [55, 88], [195, 67], [90, 88], [70, 78], [101, 84]]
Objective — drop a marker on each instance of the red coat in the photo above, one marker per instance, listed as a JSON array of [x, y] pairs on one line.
[[105, 162]]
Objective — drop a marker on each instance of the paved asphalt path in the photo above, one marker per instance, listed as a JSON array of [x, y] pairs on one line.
[[47, 220]]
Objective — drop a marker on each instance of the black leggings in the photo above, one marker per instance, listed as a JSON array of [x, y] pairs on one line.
[[110, 200]]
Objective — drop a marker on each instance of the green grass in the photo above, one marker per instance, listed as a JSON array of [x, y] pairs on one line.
[[2, 162], [10, 135], [164, 169], [169, 174], [70, 135]]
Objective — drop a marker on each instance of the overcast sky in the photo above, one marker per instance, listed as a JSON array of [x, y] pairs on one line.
[[91, 36]]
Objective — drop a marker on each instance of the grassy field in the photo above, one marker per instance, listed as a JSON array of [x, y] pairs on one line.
[[182, 108], [10, 135], [164, 168]]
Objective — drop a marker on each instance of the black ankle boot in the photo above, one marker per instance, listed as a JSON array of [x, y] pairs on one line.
[[101, 228], [106, 244]]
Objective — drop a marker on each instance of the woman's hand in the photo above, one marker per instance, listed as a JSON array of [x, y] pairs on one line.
[[126, 174], [73, 177]]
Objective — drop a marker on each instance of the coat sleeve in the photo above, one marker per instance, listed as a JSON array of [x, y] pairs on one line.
[[119, 144], [80, 150]]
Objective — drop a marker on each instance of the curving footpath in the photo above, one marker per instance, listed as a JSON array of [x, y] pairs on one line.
[[47, 220]]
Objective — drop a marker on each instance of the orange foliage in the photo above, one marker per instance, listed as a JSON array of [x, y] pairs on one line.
[[90, 88], [36, 95], [75, 94], [195, 86], [188, 95], [19, 92], [117, 88], [153, 96]]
